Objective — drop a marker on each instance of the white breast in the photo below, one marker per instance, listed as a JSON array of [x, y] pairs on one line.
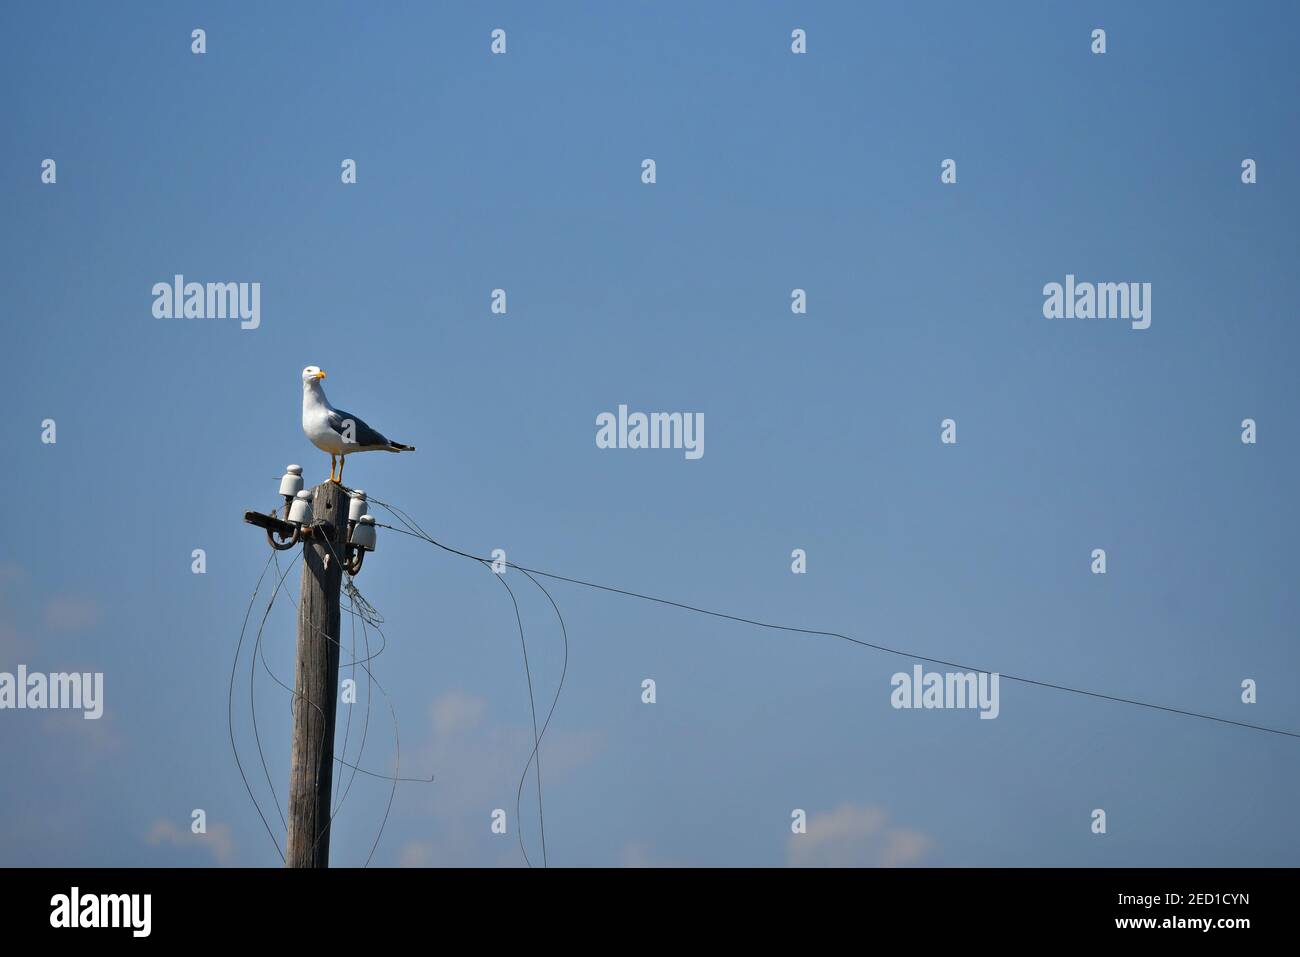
[[316, 423]]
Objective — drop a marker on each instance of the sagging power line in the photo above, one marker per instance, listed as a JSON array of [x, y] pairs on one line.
[[323, 535], [415, 532]]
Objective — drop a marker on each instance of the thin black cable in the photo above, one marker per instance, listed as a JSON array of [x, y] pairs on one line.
[[347, 725], [532, 707], [564, 670], [259, 652], [354, 598], [369, 678], [252, 680], [230, 712], [856, 641], [367, 614], [418, 532], [365, 617], [397, 765]]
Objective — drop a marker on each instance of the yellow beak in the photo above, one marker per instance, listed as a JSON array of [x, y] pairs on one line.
[[320, 374]]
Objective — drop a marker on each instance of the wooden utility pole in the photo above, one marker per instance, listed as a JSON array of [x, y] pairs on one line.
[[316, 680]]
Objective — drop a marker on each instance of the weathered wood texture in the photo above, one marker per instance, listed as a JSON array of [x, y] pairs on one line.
[[316, 683]]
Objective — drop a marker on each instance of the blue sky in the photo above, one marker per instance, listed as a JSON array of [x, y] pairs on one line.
[[774, 171]]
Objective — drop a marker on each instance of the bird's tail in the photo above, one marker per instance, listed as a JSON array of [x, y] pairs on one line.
[[399, 447]]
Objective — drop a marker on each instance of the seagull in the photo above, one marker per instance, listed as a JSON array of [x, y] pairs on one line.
[[337, 432]]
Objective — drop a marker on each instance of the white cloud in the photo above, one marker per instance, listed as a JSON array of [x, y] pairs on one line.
[[476, 763], [95, 740], [218, 841], [855, 836], [68, 613], [415, 854], [455, 713]]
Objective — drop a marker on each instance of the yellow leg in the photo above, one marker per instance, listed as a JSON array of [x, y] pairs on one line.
[[342, 459], [331, 468]]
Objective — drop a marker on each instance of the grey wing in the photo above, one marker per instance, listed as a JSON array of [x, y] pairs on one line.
[[361, 434]]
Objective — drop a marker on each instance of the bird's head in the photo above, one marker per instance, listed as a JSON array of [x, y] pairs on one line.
[[312, 374]]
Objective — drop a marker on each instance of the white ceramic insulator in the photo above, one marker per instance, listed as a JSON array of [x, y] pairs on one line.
[[300, 510], [358, 506], [291, 483], [363, 534]]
